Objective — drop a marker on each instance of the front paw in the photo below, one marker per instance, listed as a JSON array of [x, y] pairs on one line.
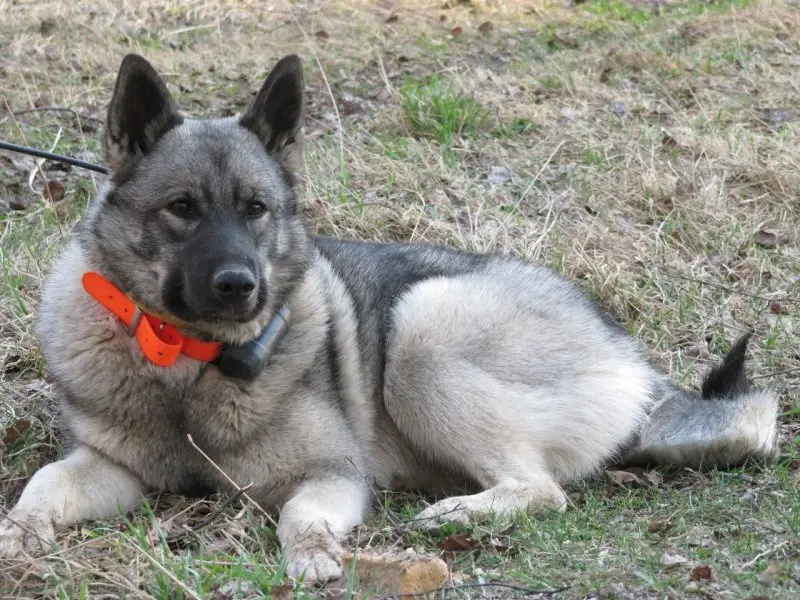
[[315, 560], [25, 535]]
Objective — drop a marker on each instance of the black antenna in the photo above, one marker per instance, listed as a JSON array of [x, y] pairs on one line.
[[56, 157]]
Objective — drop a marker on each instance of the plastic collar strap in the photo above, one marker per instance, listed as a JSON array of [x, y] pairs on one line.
[[160, 341]]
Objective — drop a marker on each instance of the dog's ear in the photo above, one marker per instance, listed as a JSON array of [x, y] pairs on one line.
[[276, 114], [141, 111]]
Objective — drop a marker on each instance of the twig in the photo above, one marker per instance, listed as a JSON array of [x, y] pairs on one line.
[[776, 373], [761, 555], [719, 286], [328, 87], [387, 83], [38, 165], [538, 174], [71, 111], [518, 588], [229, 480], [371, 487], [174, 538]]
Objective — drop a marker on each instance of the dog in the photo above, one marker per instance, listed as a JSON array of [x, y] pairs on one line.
[[373, 364]]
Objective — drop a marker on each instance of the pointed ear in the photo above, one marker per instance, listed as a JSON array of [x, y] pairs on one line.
[[276, 114], [141, 111]]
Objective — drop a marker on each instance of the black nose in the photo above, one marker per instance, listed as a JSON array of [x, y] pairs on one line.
[[233, 283]]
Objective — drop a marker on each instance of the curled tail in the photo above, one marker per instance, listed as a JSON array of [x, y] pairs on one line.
[[728, 423]]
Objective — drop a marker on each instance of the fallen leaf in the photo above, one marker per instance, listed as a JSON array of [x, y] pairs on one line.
[[766, 238], [776, 308], [668, 141], [47, 26], [456, 31], [701, 574], [622, 477], [672, 559], [397, 573], [392, 18], [485, 27], [237, 588], [660, 526], [637, 476], [14, 432], [460, 542], [54, 191], [500, 175], [322, 35], [794, 468]]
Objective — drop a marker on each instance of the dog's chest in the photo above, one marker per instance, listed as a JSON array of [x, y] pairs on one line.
[[158, 426]]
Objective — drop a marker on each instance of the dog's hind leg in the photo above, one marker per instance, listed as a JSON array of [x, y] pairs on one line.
[[478, 383], [455, 424], [82, 486]]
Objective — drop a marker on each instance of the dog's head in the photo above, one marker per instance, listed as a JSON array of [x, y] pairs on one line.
[[198, 222]]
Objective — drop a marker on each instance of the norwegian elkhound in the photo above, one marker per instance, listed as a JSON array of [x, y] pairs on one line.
[[313, 368]]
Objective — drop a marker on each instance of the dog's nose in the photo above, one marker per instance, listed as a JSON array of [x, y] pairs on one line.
[[233, 284]]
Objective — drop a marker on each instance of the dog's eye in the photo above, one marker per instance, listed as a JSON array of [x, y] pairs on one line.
[[181, 208], [255, 209]]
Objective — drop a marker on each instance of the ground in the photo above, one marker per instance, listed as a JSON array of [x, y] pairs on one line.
[[647, 150]]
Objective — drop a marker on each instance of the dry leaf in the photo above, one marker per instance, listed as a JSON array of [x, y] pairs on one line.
[[794, 468], [701, 574], [634, 475], [14, 432], [54, 191], [460, 542], [456, 31], [654, 478], [397, 573], [393, 18], [776, 308], [668, 141], [672, 559], [622, 477], [485, 27], [283, 591], [766, 238], [659, 526], [322, 35]]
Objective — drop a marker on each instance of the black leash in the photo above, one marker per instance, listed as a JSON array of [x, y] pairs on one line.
[[69, 160]]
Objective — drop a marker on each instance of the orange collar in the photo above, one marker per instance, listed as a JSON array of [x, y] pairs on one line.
[[160, 341]]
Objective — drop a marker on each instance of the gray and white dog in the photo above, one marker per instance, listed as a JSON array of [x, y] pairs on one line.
[[402, 365]]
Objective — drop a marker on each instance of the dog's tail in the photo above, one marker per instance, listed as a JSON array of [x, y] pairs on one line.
[[726, 424]]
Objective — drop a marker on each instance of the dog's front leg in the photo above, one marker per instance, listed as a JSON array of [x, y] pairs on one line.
[[82, 486], [321, 512]]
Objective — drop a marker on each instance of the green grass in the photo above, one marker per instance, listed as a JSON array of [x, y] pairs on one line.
[[437, 110]]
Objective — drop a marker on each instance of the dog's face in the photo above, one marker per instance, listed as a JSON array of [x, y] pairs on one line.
[[199, 222]]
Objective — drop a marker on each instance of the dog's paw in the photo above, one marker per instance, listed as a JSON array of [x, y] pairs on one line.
[[25, 535], [450, 510], [315, 561]]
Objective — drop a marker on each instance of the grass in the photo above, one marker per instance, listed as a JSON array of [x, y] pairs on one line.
[[649, 146]]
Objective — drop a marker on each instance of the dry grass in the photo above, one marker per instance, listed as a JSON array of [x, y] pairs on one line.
[[648, 144]]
